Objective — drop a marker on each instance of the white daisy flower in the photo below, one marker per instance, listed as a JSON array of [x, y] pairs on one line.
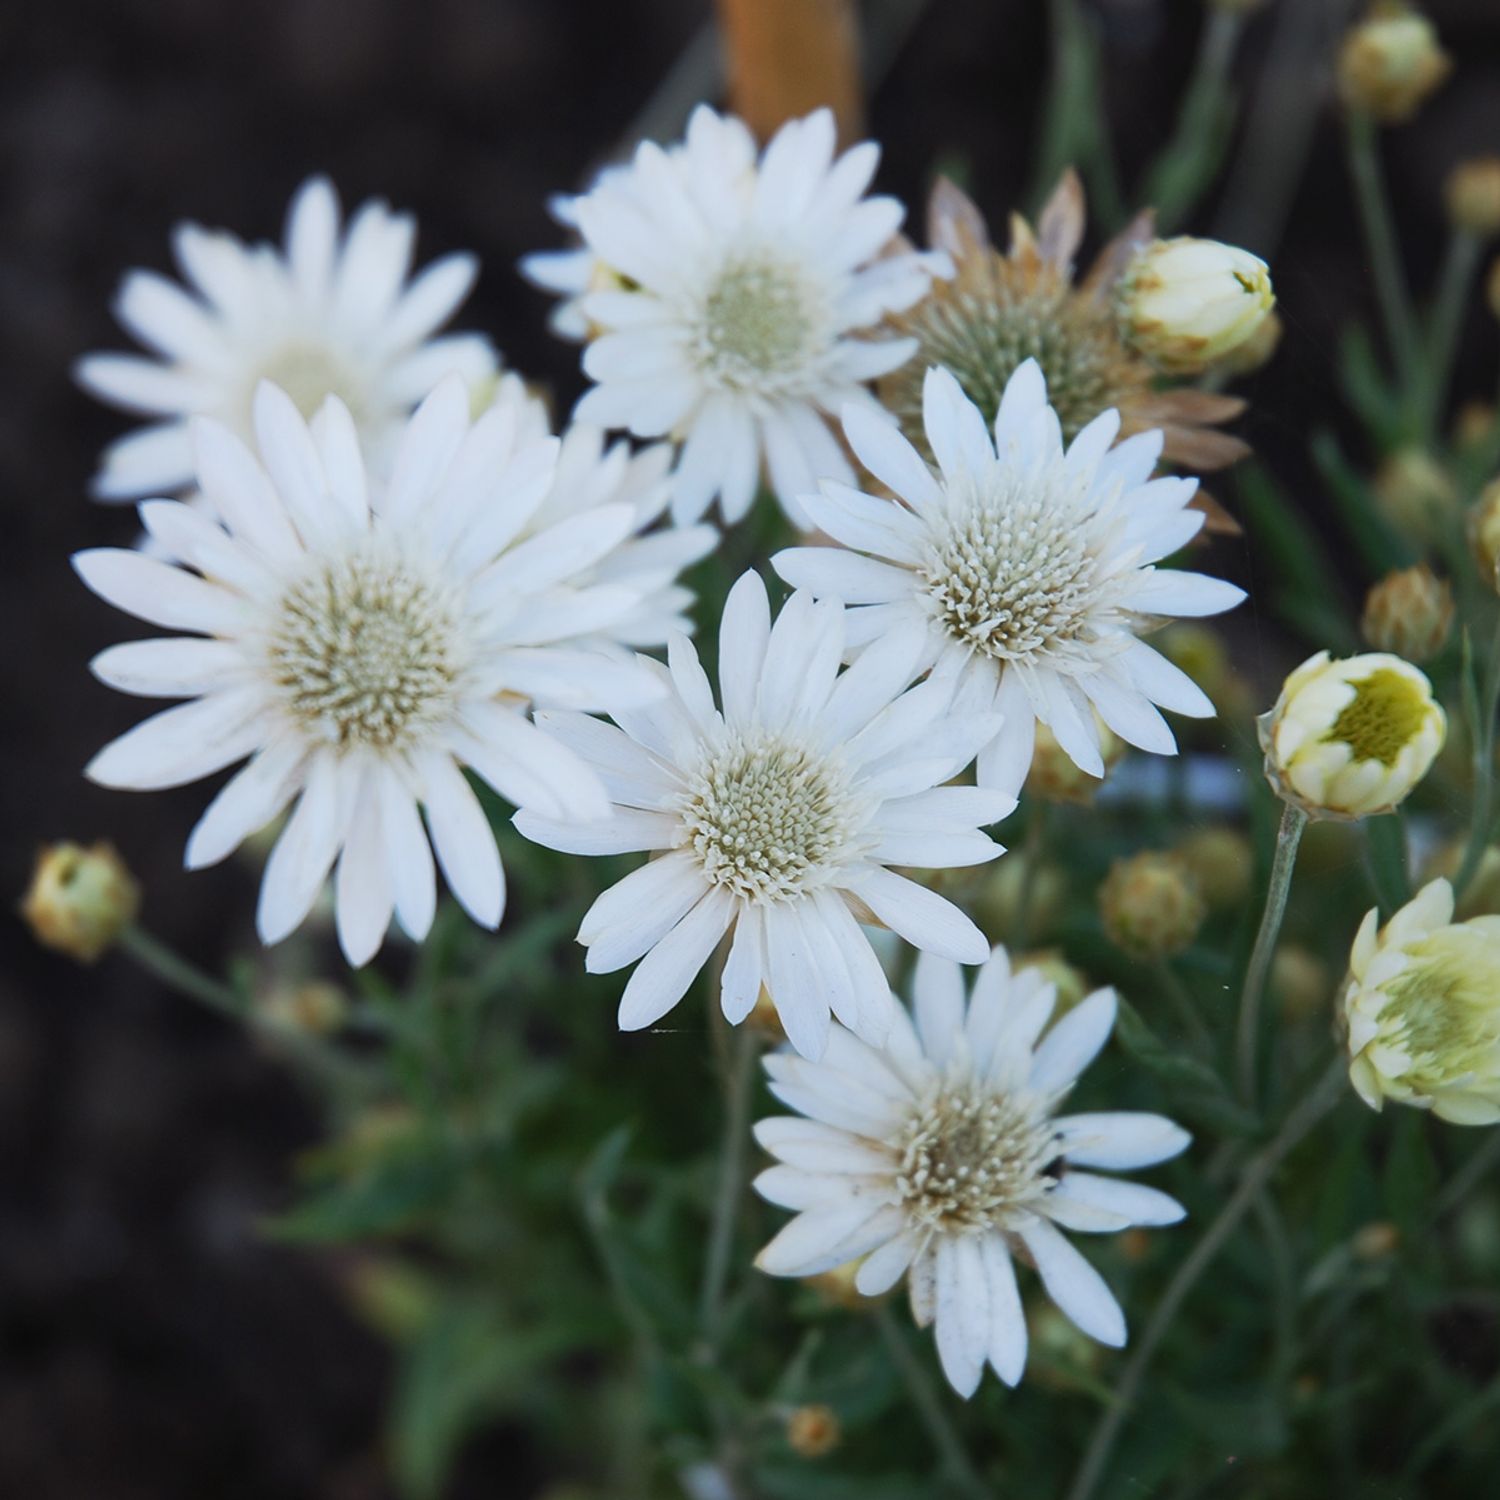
[[329, 314], [362, 647], [1028, 565], [744, 309], [942, 1157], [716, 147], [592, 472], [776, 819]]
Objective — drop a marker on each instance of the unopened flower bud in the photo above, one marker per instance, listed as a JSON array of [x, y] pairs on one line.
[[1222, 862], [1375, 1241], [813, 1431], [1484, 533], [1351, 738], [1409, 613], [1390, 62], [1415, 492], [1054, 777], [1256, 352], [1421, 1010], [1072, 985], [1029, 890], [1151, 905], [80, 900], [1300, 982], [316, 1008], [1473, 194], [837, 1288], [1473, 424], [1184, 303]]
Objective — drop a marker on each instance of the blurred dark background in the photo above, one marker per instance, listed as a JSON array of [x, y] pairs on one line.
[[151, 1343]]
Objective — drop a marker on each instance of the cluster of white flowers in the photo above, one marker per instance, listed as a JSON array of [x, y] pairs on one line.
[[384, 570]]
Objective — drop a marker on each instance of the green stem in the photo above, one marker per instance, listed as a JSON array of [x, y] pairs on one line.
[[1483, 732], [738, 1091], [1031, 857], [929, 1404], [1306, 1113], [156, 958], [1464, 1415], [1385, 256], [1288, 837], [1188, 160], [1459, 266], [1477, 1169]]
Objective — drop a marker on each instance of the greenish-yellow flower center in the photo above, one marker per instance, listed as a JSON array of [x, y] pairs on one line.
[[1387, 712], [759, 324], [1444, 1009], [310, 373]]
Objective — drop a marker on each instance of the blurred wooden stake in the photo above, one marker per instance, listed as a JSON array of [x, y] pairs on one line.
[[784, 58]]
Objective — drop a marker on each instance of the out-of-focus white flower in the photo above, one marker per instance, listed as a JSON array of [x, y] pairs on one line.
[[942, 1155], [592, 472], [1028, 566], [775, 818], [330, 313], [1351, 738], [362, 646], [716, 148], [1421, 1009], [1184, 303], [743, 305]]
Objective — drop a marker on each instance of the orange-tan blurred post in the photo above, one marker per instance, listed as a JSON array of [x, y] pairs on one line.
[[784, 58]]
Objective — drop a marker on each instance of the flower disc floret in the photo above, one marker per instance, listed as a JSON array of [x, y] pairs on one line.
[[367, 648], [769, 817]]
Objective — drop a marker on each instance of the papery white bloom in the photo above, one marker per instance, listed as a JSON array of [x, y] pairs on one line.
[[942, 1155], [717, 147], [328, 314], [363, 646], [1031, 572], [776, 819], [1421, 1010], [745, 307], [592, 472]]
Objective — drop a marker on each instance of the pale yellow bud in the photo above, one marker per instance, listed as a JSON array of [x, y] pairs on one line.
[[1375, 1241], [1151, 905], [837, 1288], [1256, 352], [813, 1431], [1222, 862], [1072, 985], [1351, 738], [1415, 492], [1014, 886], [1300, 982], [1390, 62], [1421, 1010], [1484, 533], [316, 1008], [80, 900], [1473, 195], [1409, 613], [1473, 424], [1184, 303], [1054, 777]]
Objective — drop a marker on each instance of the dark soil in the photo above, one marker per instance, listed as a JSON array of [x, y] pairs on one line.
[[152, 1345]]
